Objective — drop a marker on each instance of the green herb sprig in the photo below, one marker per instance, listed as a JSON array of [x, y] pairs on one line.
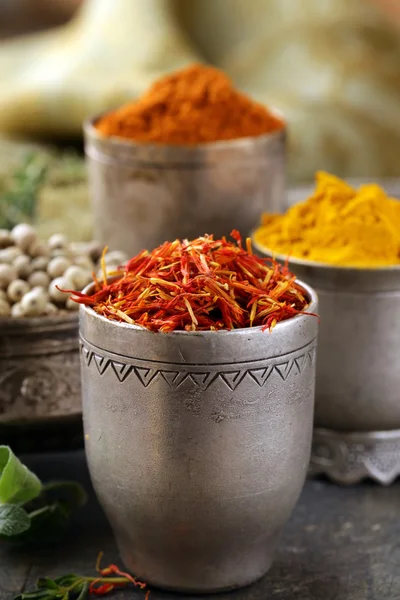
[[39, 170], [18, 198], [79, 587], [31, 512]]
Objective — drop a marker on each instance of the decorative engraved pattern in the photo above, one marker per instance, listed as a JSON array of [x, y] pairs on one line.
[[198, 376], [348, 458], [39, 375], [40, 387]]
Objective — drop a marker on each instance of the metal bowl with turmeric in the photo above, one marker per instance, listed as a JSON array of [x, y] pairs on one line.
[[345, 243]]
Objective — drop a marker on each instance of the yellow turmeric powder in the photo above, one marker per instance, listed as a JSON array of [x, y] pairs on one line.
[[337, 225]]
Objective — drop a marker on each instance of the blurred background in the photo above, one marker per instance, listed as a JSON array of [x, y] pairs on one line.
[[26, 16], [331, 66]]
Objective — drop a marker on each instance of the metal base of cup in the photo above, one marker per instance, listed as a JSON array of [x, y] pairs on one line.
[[178, 583], [348, 458]]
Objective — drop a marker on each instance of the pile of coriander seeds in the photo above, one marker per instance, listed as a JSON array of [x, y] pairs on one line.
[[33, 272]]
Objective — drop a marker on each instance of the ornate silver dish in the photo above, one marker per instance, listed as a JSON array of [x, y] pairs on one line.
[[40, 388]]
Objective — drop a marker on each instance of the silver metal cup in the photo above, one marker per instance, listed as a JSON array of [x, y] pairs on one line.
[[39, 369], [357, 407], [358, 373], [143, 195], [198, 444]]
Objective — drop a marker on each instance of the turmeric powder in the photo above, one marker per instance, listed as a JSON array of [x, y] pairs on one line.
[[192, 106], [337, 225]]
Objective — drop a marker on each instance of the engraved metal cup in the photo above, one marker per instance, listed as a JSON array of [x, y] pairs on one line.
[[39, 369], [143, 194], [198, 444], [357, 406]]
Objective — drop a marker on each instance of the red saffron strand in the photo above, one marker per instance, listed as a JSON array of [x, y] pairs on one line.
[[108, 586], [101, 590], [113, 569], [202, 285]]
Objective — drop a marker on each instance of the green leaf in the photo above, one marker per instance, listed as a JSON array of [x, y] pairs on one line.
[[83, 594], [13, 520], [66, 580], [48, 524], [17, 483], [38, 594], [35, 595], [45, 583], [69, 494]]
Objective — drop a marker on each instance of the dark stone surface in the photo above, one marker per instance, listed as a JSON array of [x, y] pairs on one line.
[[341, 544]]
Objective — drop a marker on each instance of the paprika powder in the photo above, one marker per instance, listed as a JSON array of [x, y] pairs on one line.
[[195, 105]]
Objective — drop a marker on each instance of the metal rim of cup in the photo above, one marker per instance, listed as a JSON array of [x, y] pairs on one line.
[[315, 264], [337, 277], [49, 322], [311, 308]]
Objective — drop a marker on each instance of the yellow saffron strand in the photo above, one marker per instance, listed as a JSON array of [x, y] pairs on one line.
[[103, 264]]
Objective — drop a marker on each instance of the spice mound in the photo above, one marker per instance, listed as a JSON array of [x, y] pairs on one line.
[[202, 285], [337, 225], [192, 106]]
